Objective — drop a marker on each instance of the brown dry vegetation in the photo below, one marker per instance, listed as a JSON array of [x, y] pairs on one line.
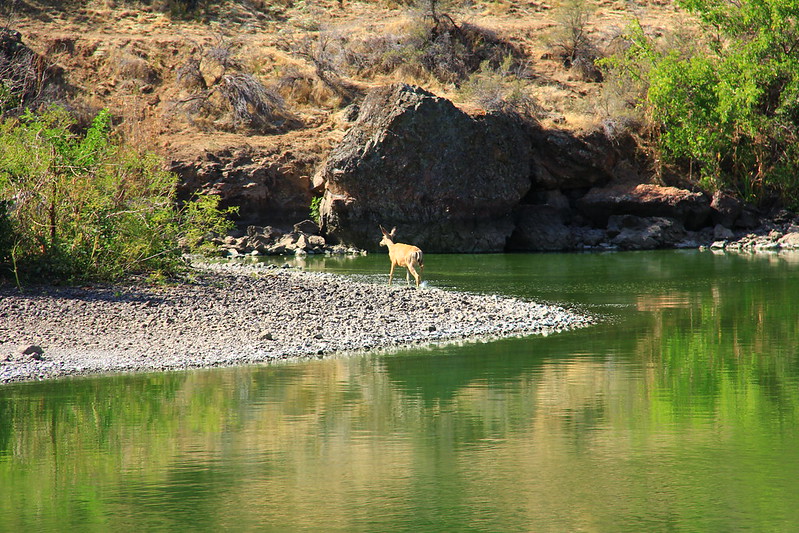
[[279, 74]]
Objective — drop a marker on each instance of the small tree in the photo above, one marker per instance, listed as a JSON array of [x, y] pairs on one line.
[[252, 106], [570, 40]]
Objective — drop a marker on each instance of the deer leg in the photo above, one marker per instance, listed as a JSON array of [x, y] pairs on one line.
[[412, 270], [391, 274]]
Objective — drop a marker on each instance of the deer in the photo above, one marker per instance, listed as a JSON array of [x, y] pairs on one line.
[[403, 255]]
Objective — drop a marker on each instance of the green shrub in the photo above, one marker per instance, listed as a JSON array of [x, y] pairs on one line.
[[6, 233], [727, 111], [82, 206], [8, 98]]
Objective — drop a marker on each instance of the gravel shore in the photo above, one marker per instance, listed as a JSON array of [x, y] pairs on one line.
[[231, 314]]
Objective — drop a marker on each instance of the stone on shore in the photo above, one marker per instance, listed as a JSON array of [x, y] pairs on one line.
[[26, 352]]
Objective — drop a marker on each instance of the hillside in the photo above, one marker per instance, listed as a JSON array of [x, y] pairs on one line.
[[138, 59]]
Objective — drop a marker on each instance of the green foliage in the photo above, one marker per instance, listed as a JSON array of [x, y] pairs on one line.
[[316, 203], [8, 98], [625, 77], [83, 206], [201, 216], [730, 111], [6, 233]]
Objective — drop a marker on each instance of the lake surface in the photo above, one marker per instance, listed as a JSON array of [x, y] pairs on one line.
[[678, 412]]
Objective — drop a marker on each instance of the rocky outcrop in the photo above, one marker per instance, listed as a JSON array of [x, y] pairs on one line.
[[691, 209], [267, 187], [563, 161], [778, 232], [413, 160], [452, 182], [455, 183], [629, 232], [725, 209]]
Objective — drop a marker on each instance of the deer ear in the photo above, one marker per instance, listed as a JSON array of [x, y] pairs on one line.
[[393, 231], [382, 229]]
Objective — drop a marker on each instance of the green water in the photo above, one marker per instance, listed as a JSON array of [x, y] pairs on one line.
[[679, 412]]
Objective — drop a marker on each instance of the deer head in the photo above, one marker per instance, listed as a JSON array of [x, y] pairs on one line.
[[388, 237]]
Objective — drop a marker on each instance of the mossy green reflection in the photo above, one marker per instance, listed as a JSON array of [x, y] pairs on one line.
[[677, 412]]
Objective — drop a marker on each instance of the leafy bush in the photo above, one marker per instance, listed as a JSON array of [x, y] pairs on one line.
[[728, 113], [9, 99], [82, 206], [314, 213], [6, 233]]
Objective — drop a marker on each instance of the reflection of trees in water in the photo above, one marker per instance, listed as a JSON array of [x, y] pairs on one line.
[[734, 340]]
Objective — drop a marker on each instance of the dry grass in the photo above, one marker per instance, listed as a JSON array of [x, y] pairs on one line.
[[271, 66], [22, 74]]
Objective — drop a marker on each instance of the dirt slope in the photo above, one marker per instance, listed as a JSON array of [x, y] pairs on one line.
[[129, 57]]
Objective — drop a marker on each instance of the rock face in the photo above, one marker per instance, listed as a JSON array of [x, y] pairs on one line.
[[630, 232], [540, 228], [691, 209], [725, 209], [564, 161], [452, 182], [265, 186], [447, 180]]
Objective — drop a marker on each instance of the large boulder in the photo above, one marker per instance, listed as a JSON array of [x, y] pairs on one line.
[[691, 209], [447, 180], [725, 208]]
